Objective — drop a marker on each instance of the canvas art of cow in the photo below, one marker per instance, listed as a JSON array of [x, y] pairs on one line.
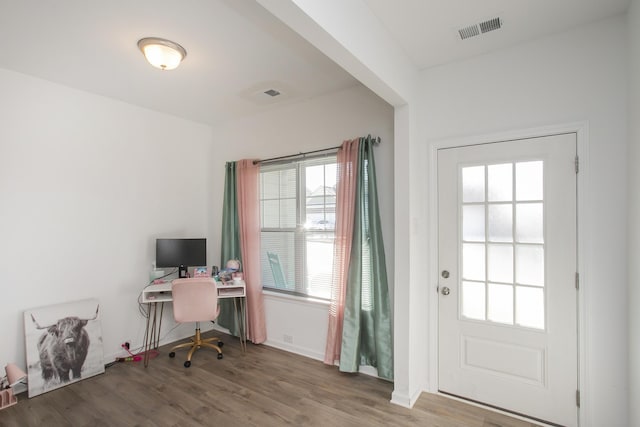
[[63, 347]]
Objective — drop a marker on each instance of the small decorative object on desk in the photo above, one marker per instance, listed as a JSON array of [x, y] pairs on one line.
[[201, 272], [227, 274], [233, 264]]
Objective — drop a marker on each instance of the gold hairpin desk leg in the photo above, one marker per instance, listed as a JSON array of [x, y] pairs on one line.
[[241, 320], [152, 335]]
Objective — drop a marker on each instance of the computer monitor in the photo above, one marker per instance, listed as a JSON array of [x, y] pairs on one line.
[[181, 253]]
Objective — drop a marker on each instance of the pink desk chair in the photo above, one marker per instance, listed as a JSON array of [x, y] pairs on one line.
[[195, 300]]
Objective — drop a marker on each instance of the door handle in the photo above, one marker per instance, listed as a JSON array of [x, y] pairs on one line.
[[445, 291]]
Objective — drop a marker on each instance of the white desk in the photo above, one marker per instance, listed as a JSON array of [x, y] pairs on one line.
[[162, 291], [155, 294]]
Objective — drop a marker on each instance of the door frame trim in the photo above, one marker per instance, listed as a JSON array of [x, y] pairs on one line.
[[581, 129]]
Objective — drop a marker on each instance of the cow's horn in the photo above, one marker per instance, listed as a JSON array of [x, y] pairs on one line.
[[96, 316], [38, 326]]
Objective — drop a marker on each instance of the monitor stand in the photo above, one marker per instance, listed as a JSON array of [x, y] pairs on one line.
[[183, 272]]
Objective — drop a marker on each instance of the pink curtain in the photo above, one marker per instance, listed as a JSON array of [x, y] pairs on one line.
[[249, 218], [345, 212]]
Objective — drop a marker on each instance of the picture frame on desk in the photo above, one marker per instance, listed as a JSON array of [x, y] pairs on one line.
[[201, 272]]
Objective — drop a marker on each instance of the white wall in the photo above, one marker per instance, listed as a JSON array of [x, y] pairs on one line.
[[353, 37], [633, 255], [575, 76], [86, 185], [336, 28], [314, 124]]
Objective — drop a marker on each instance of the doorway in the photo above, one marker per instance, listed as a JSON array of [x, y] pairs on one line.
[[507, 263]]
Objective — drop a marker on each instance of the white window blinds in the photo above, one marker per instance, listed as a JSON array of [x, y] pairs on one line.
[[297, 216]]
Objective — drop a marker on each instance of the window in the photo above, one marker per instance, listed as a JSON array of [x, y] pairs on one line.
[[503, 245], [297, 220]]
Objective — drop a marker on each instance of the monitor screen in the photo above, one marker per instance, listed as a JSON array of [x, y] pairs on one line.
[[177, 252]]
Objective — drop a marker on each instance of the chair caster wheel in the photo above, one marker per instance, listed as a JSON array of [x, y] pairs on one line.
[[172, 354], [187, 363], [220, 343], [219, 355]]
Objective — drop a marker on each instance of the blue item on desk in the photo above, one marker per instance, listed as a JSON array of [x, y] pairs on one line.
[[226, 274]]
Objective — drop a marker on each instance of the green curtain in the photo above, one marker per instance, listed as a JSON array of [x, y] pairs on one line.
[[367, 334], [230, 246]]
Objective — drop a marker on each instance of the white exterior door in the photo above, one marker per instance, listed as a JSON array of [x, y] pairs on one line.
[[507, 267]]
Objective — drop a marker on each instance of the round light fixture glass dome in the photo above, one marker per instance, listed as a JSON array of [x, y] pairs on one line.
[[161, 53]]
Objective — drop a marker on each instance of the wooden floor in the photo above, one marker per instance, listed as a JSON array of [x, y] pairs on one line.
[[262, 387]]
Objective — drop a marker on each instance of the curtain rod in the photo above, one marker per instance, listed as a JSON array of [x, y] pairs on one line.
[[303, 154]]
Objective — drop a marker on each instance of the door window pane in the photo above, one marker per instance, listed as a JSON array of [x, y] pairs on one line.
[[530, 265], [500, 262], [529, 227], [529, 181], [501, 223], [530, 307], [500, 303], [502, 243], [473, 262], [500, 183], [473, 300], [473, 184], [473, 223]]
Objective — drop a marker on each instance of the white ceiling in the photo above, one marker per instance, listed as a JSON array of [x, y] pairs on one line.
[[236, 49], [427, 30]]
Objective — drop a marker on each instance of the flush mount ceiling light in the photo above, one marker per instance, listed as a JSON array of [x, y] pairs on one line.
[[161, 53]]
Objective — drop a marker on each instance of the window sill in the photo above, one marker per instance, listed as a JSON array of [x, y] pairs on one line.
[[295, 298]]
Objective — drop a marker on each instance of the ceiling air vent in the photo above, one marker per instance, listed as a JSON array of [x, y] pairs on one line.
[[481, 28], [271, 92], [469, 31], [490, 25]]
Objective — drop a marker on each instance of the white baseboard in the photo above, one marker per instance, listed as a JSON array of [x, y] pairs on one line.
[[291, 348], [402, 399], [306, 352], [281, 345]]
